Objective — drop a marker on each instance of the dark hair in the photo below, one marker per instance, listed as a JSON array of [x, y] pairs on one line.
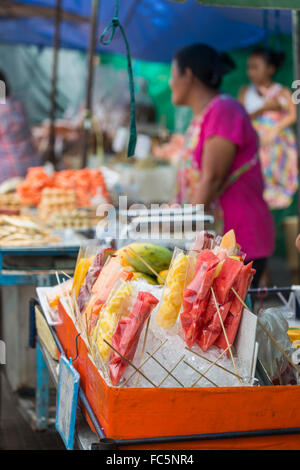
[[271, 57], [207, 64], [4, 79]]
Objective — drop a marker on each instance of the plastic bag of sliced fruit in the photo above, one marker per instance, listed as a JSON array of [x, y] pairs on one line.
[[115, 336], [215, 289]]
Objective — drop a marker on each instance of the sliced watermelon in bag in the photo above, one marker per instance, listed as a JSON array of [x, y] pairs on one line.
[[210, 311], [233, 319], [206, 257], [188, 300], [127, 334], [213, 329], [241, 286], [191, 322], [224, 282], [204, 274]]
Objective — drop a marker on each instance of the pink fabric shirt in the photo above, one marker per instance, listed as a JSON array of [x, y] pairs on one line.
[[243, 205]]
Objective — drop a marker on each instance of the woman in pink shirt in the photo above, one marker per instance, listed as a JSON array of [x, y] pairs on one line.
[[218, 164]]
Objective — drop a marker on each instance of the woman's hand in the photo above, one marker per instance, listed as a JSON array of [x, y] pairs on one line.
[[272, 104]]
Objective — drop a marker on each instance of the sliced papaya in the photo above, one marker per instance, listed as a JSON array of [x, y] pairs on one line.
[[228, 241]]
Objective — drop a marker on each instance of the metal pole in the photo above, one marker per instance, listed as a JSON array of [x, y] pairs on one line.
[[207, 437], [90, 82], [56, 42], [296, 51]]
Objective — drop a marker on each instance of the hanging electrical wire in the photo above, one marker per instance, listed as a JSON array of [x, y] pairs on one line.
[[112, 27]]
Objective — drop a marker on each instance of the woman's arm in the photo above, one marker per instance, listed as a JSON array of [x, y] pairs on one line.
[[218, 155], [241, 95]]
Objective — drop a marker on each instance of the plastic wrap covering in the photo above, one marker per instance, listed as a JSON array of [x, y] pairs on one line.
[[278, 368], [126, 337]]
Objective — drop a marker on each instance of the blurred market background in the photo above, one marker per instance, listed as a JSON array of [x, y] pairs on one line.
[[155, 31]]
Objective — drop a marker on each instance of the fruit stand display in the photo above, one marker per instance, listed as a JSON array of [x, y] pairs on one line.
[[151, 330]]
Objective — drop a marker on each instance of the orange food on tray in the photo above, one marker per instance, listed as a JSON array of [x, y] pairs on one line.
[[86, 183], [30, 190]]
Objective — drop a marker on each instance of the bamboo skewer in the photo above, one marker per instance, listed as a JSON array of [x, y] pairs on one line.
[[201, 375], [170, 372], [130, 363], [146, 360], [67, 296], [146, 264], [214, 363], [57, 278], [65, 274], [240, 299], [103, 367], [87, 332], [76, 308], [224, 331], [269, 335]]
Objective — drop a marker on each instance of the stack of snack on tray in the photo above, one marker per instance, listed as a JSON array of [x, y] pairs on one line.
[[17, 231], [77, 219], [121, 308], [87, 184], [58, 208], [9, 201], [30, 190], [55, 200]]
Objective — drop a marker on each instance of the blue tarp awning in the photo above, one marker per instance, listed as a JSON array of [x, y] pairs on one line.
[[155, 28]]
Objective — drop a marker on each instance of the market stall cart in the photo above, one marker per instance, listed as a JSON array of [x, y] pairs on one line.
[[132, 404], [267, 406]]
